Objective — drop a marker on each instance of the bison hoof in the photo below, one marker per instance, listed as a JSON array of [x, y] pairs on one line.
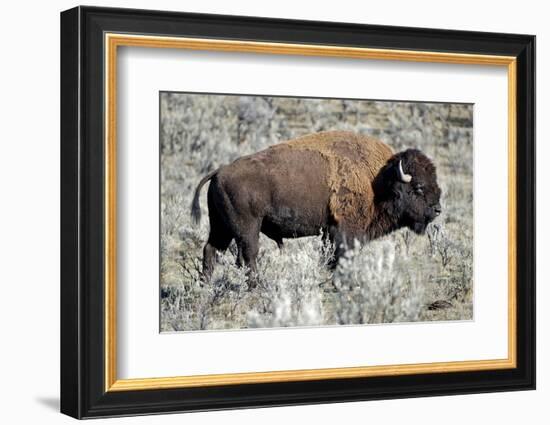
[[252, 283]]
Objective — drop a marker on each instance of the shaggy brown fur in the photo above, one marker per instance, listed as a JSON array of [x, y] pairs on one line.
[[353, 162]]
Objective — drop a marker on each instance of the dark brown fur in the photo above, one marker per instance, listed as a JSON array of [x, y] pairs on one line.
[[346, 185]]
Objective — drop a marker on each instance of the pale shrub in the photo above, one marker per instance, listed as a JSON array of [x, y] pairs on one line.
[[290, 285], [373, 287], [197, 305]]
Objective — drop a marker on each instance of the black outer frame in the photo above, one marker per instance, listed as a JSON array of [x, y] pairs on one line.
[[82, 216]]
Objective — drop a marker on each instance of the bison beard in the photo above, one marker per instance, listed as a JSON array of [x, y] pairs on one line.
[[348, 186]]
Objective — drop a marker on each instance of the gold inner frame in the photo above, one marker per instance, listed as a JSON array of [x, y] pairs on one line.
[[113, 41]]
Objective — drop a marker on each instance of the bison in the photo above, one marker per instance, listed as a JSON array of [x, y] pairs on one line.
[[345, 185]]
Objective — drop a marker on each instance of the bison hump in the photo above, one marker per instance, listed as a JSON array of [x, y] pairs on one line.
[[353, 162]]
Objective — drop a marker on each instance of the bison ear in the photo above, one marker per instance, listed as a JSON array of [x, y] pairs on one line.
[[384, 183]]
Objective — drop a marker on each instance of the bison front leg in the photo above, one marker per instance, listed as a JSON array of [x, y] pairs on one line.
[[336, 238], [342, 238]]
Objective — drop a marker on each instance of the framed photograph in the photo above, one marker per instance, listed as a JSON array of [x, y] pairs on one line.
[[261, 212]]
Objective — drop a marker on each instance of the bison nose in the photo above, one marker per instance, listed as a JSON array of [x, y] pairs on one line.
[[437, 209]]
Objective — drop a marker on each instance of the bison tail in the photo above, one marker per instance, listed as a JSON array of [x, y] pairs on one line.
[[195, 206]]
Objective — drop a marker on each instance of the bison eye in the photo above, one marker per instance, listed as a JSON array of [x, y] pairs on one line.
[[418, 189]]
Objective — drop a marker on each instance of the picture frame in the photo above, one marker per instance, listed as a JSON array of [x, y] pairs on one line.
[[90, 40]]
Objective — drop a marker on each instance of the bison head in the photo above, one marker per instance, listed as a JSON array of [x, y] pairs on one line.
[[407, 189]]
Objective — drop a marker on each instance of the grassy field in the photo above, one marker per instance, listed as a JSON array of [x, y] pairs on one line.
[[401, 277]]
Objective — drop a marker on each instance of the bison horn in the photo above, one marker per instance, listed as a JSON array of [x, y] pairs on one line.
[[404, 177]]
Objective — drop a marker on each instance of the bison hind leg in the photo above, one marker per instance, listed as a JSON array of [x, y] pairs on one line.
[[209, 253], [248, 246], [219, 239]]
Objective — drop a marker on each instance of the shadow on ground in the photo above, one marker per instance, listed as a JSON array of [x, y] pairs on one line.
[[49, 402]]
